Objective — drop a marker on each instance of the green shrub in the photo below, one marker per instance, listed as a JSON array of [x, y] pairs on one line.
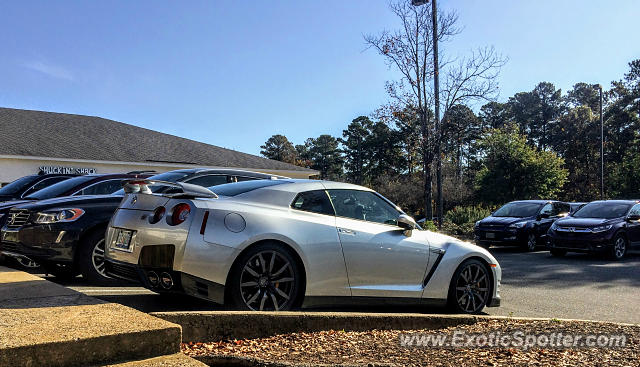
[[429, 226], [460, 215]]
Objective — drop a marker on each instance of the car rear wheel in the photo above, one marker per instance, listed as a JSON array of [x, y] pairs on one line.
[[266, 278], [532, 242], [91, 259], [619, 248], [470, 287]]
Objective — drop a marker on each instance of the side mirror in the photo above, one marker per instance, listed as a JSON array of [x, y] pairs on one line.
[[542, 216], [406, 222], [633, 218]]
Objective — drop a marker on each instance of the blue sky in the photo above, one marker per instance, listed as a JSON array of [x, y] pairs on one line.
[[232, 73]]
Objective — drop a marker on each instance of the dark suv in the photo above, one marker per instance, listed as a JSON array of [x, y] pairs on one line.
[[611, 226], [66, 235], [29, 184], [523, 223]]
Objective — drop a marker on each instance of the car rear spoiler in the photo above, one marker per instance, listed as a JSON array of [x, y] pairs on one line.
[[188, 190]]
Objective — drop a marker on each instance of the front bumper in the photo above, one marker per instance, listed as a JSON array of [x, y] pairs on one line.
[[504, 237], [574, 241], [42, 243]]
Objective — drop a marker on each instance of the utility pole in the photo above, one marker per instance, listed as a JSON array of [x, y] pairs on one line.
[[601, 147], [436, 91]]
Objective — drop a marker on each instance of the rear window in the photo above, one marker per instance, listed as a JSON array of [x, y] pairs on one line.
[[233, 189]]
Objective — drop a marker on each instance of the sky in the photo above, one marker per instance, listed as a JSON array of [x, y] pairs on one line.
[[234, 72]]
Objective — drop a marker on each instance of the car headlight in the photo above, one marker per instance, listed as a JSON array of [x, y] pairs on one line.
[[518, 225], [601, 228], [475, 226], [554, 226], [58, 215]]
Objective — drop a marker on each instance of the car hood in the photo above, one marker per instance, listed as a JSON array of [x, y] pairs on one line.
[[585, 222], [7, 205], [491, 220], [72, 201]]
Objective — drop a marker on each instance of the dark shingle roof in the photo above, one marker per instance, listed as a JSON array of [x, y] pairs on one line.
[[61, 135]]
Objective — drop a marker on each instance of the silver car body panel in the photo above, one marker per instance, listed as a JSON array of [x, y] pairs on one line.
[[340, 256]]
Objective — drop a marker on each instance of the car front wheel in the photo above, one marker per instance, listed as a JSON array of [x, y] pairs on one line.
[[266, 278], [619, 248], [531, 243], [91, 259], [470, 287]]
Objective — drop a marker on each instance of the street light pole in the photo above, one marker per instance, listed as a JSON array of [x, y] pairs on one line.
[[436, 92]]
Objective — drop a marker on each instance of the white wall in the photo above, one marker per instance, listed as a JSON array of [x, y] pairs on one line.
[[13, 167]]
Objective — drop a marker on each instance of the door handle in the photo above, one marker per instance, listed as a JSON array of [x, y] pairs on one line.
[[346, 231]]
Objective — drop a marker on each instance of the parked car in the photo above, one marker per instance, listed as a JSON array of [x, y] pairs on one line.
[[610, 226], [280, 244], [29, 184], [66, 234], [94, 184], [523, 223]]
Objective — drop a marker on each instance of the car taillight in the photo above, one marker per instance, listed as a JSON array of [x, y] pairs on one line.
[[180, 213], [157, 215]]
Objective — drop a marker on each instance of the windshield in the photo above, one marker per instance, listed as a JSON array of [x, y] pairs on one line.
[[17, 185], [59, 189], [170, 176], [603, 210], [518, 210], [233, 189]]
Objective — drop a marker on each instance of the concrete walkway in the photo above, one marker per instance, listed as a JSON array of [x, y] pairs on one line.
[[45, 324]]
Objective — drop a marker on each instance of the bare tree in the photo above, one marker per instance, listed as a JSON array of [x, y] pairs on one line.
[[409, 49]]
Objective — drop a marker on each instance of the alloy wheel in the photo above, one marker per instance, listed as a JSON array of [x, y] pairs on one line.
[[472, 288], [97, 258], [620, 247], [27, 263], [531, 242], [267, 282]]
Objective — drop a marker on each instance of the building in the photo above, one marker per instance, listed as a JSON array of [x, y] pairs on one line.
[[36, 141]]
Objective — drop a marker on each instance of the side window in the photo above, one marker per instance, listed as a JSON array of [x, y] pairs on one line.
[[547, 209], [363, 205], [560, 209], [209, 180], [635, 210], [315, 201], [102, 188], [44, 183]]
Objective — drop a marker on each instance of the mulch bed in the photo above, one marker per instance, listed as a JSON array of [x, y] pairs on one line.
[[382, 347]]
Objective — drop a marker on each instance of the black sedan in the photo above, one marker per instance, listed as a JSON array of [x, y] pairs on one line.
[[610, 226], [66, 235], [523, 223], [29, 184]]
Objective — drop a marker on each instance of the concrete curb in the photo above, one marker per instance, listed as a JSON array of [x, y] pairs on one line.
[[224, 325], [46, 324]]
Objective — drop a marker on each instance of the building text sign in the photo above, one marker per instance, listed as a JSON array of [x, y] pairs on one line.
[[67, 170]]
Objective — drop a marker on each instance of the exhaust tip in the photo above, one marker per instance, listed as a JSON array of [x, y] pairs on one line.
[[166, 281], [153, 278]]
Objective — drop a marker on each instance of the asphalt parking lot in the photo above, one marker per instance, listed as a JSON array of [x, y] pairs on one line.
[[578, 286]]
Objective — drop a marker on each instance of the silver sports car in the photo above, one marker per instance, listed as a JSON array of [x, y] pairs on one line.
[[282, 244]]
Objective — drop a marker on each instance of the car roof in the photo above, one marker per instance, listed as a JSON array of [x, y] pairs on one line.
[[230, 171], [535, 201], [616, 201]]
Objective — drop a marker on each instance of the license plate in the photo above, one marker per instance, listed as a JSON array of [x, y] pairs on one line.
[[123, 240], [491, 235], [10, 236]]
